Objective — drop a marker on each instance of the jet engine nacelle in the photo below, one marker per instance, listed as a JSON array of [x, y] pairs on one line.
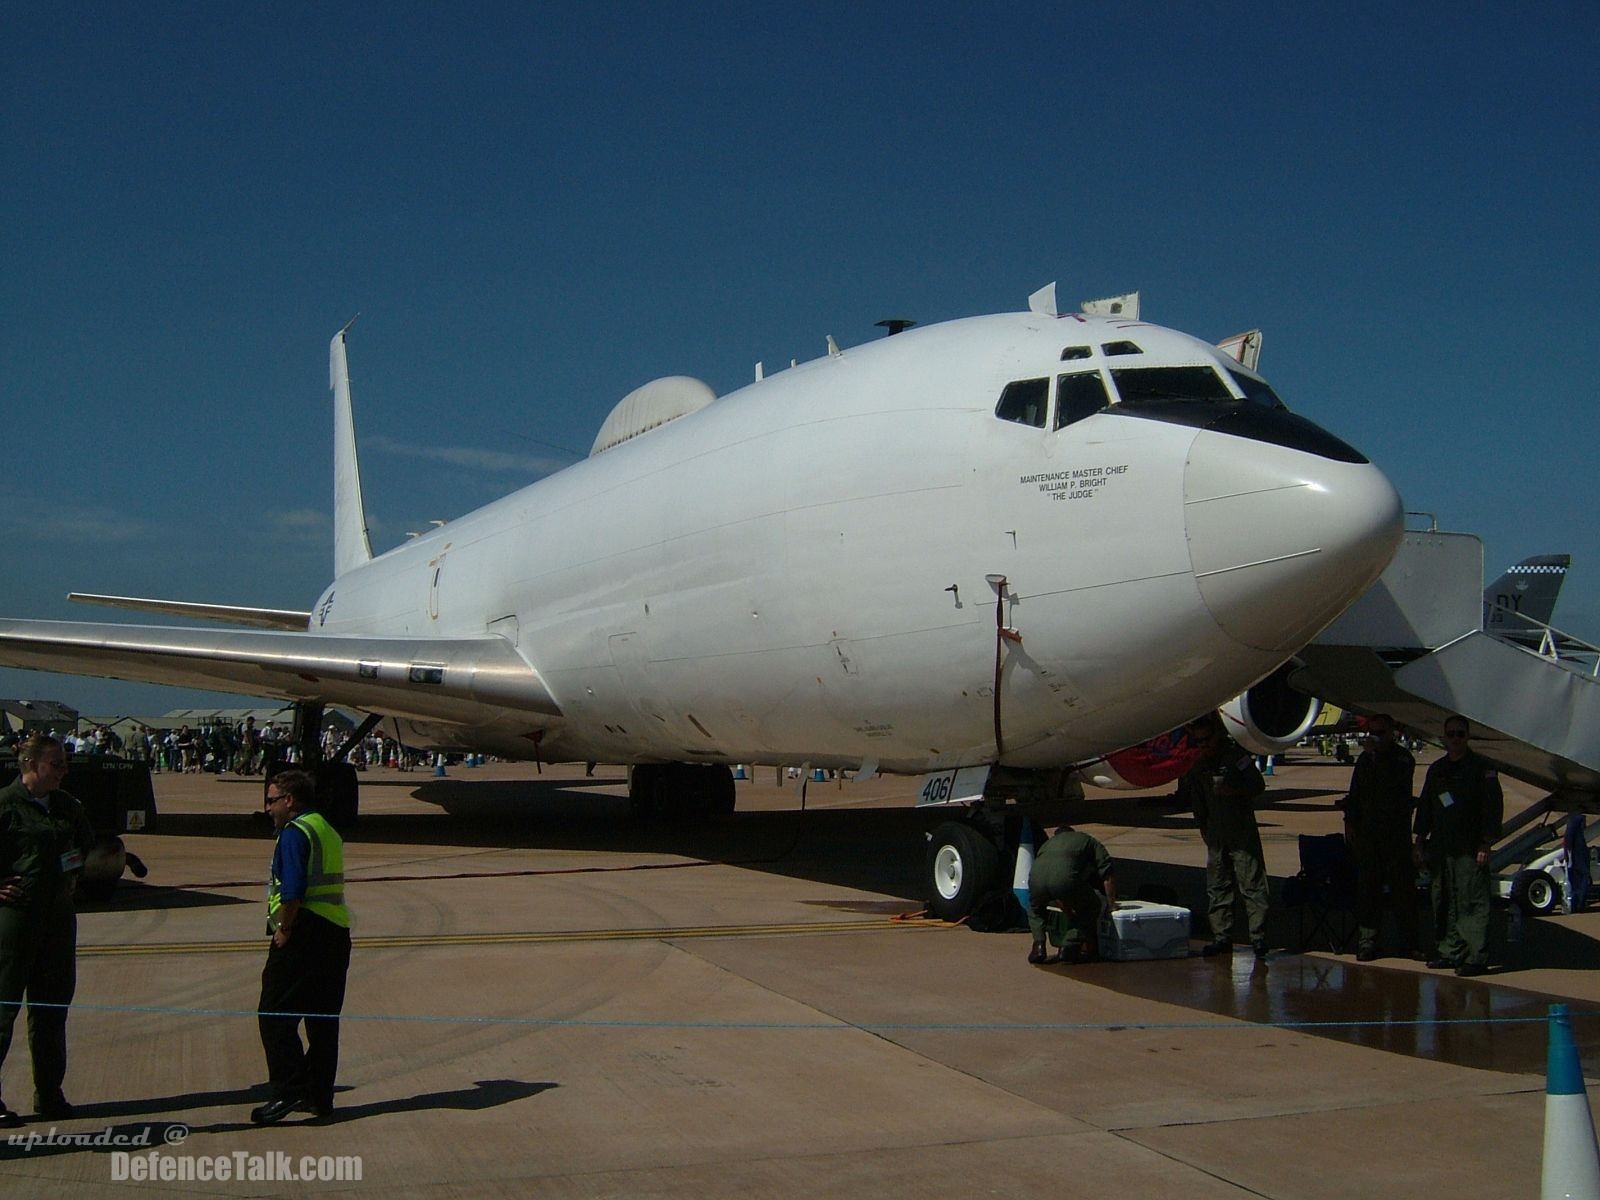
[[1150, 764], [1271, 717]]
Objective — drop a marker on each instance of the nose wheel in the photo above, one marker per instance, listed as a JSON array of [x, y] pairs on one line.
[[962, 866]]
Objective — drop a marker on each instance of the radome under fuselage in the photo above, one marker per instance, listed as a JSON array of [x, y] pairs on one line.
[[804, 571]]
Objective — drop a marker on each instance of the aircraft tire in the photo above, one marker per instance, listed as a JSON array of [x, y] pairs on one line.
[[1539, 893], [696, 791], [681, 792], [721, 796], [962, 867], [645, 791]]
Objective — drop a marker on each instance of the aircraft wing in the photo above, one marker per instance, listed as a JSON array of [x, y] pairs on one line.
[[265, 618], [448, 679]]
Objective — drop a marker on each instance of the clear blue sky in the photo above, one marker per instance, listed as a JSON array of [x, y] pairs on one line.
[[538, 208]]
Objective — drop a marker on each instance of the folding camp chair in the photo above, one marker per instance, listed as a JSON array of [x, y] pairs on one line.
[[1323, 894]]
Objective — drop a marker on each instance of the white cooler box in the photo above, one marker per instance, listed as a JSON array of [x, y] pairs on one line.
[[1138, 929]]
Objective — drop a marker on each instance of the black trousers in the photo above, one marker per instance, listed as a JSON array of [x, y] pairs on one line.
[[305, 976], [38, 957]]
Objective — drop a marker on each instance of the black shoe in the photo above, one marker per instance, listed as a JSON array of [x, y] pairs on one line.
[[1036, 955], [1441, 964], [9, 1119], [1466, 970], [1260, 947], [274, 1111], [1367, 954], [56, 1109], [1217, 946]]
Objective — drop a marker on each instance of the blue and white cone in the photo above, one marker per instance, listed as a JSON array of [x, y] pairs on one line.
[[1571, 1159], [1019, 877]]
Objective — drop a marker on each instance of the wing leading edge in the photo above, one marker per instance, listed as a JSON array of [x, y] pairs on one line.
[[234, 614], [448, 679]]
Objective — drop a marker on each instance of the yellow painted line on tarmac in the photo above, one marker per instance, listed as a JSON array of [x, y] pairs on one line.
[[410, 941]]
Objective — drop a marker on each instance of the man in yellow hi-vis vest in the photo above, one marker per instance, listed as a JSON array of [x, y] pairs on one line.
[[309, 956]]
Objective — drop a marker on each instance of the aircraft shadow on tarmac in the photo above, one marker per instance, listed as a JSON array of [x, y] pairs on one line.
[[871, 849], [135, 896], [1276, 799], [483, 1094], [1162, 812]]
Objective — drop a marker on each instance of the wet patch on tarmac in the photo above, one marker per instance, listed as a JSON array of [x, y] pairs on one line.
[[1431, 1015]]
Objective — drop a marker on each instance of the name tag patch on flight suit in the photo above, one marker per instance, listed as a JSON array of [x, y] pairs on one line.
[[1446, 799], [72, 860]]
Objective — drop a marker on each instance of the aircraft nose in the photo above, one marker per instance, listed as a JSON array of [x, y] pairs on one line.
[[1281, 540]]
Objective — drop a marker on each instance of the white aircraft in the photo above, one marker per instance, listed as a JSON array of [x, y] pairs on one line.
[[984, 551]]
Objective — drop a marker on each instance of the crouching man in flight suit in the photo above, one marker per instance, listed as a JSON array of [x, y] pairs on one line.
[[1072, 870]]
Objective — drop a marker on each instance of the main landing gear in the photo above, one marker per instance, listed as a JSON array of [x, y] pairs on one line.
[[971, 861], [338, 793], [962, 867], [680, 791]]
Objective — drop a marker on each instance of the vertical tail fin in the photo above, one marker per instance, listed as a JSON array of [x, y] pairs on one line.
[[1528, 589], [351, 546]]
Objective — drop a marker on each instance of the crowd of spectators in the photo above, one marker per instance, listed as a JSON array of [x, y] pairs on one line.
[[239, 748]]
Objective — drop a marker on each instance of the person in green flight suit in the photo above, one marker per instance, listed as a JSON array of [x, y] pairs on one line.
[[1071, 870], [44, 836], [1221, 789], [1458, 822], [1377, 826]]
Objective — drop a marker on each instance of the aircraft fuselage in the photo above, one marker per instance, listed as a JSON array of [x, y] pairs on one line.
[[808, 569]]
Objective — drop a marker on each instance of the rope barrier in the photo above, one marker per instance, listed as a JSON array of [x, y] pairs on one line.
[[776, 1026]]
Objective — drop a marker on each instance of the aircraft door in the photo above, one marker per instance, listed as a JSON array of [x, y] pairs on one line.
[[435, 574]]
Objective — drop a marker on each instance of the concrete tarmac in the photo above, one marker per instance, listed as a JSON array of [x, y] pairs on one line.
[[549, 999]]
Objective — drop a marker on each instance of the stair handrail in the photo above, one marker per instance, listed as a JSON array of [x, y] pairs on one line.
[[1554, 644]]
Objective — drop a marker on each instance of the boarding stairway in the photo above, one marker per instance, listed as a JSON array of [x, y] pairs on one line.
[[1415, 646]]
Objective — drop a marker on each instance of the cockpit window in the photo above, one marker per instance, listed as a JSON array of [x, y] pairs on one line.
[[1024, 402], [1074, 352], [1256, 390], [1111, 348], [1079, 396], [1139, 385]]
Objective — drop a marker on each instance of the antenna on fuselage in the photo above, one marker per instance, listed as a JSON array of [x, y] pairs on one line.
[[895, 325], [351, 544], [1244, 348], [1125, 306]]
